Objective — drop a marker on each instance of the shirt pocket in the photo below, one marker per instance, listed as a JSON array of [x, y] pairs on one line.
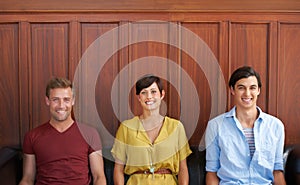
[[267, 152]]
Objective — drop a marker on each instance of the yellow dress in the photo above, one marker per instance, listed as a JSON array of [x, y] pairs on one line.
[[133, 147]]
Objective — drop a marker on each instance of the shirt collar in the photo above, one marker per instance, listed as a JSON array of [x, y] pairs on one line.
[[232, 113], [142, 135]]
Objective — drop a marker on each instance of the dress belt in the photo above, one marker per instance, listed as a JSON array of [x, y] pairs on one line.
[[159, 171]]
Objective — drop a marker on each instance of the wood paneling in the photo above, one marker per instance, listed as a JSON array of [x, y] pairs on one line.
[[143, 5], [36, 46], [49, 57], [288, 97], [91, 38], [208, 34], [9, 86], [249, 46]]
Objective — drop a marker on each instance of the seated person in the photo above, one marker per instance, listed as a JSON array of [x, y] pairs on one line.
[[151, 148]]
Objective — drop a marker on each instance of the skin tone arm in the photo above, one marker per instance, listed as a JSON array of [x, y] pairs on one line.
[[118, 173], [28, 170], [183, 174], [278, 177], [212, 178], [97, 168]]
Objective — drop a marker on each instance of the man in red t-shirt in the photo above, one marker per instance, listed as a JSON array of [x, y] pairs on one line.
[[61, 151]]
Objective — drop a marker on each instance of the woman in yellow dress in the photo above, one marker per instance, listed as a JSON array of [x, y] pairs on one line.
[[151, 148]]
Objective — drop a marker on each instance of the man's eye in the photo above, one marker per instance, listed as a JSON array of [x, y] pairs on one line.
[[54, 100], [67, 100]]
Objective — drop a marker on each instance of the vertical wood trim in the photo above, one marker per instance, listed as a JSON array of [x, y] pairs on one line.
[[229, 61], [74, 48], [272, 94], [224, 57], [25, 79]]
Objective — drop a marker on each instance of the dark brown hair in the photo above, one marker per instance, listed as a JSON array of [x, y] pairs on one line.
[[146, 81], [243, 72]]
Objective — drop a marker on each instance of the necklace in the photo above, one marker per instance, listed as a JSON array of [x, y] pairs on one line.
[[151, 123], [152, 168], [152, 128]]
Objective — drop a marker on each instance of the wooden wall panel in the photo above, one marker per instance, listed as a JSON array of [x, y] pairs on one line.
[[249, 46], [153, 6], [9, 86], [147, 51], [209, 33], [41, 45], [91, 38], [288, 80], [49, 57]]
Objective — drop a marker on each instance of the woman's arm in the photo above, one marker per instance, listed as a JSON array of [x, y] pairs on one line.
[[183, 174], [119, 173]]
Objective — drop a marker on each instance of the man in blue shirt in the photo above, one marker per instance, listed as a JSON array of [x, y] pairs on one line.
[[244, 145]]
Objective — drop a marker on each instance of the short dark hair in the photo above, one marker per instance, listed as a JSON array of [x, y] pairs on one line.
[[146, 81], [57, 82], [243, 72]]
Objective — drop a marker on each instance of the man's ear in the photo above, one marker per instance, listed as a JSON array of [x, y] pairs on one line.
[[47, 100], [162, 94], [232, 90]]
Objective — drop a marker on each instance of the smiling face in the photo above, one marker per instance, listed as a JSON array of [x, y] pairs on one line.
[[60, 103], [150, 97], [245, 92]]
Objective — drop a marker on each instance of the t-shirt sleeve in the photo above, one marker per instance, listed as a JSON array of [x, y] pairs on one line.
[[91, 136], [95, 143], [27, 144]]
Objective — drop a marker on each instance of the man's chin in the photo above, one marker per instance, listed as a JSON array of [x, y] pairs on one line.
[[60, 119]]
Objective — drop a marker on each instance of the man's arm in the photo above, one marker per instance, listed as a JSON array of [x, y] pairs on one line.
[[118, 173], [212, 178], [278, 177], [183, 174], [28, 170], [97, 168]]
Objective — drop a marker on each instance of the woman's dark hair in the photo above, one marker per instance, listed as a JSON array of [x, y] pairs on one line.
[[243, 72], [146, 81]]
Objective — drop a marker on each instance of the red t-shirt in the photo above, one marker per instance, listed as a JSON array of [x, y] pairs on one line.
[[62, 158]]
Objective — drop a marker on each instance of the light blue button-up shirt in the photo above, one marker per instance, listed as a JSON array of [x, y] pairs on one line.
[[228, 153]]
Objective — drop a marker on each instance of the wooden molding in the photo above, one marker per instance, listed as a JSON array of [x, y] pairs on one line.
[[150, 6]]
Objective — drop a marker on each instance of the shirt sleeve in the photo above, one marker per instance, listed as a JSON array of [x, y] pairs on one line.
[[91, 136], [212, 148], [184, 148], [119, 148], [280, 147], [27, 144]]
